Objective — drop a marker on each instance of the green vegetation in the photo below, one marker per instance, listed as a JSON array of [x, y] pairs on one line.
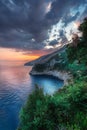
[[67, 108], [77, 56], [83, 29], [62, 63], [39, 67]]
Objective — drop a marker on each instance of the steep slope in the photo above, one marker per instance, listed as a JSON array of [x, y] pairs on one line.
[[54, 61], [54, 64], [44, 58]]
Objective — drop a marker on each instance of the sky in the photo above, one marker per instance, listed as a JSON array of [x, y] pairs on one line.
[[32, 28]]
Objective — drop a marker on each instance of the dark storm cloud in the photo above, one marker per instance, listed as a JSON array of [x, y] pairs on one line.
[[84, 14], [61, 8], [69, 18], [27, 15], [62, 36], [19, 40], [54, 42], [25, 23]]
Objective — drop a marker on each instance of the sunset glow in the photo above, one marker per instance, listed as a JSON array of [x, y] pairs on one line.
[[30, 29], [18, 57], [12, 55]]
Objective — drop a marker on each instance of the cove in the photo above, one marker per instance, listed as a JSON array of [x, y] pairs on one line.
[[15, 86]]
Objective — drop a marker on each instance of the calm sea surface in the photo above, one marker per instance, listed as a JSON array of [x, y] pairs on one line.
[[15, 86]]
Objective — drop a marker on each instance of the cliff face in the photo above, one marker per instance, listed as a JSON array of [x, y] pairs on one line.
[[45, 58], [62, 75], [54, 61], [53, 64]]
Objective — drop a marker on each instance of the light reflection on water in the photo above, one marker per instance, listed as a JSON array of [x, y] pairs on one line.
[[15, 86]]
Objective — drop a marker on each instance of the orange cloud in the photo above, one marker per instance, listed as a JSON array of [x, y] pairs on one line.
[[12, 55], [77, 24]]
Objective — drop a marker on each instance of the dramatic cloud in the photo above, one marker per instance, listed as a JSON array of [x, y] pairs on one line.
[[53, 43], [25, 24], [69, 18]]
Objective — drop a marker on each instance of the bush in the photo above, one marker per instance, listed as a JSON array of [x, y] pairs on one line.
[[34, 114], [40, 67], [66, 108]]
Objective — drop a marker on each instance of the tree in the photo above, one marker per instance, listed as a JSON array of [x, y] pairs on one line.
[[83, 29], [75, 39]]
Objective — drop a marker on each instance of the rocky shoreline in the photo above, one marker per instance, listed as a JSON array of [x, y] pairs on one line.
[[62, 75]]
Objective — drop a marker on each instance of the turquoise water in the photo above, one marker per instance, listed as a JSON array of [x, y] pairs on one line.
[[15, 86]]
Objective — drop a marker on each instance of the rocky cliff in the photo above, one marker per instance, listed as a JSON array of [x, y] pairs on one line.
[[54, 64]]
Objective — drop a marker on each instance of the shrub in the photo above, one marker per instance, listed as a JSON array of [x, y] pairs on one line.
[[67, 108], [40, 67]]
